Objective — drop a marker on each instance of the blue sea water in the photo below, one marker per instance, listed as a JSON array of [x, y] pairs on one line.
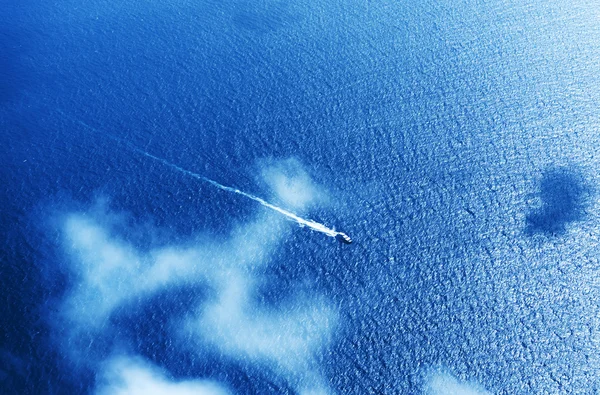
[[455, 141]]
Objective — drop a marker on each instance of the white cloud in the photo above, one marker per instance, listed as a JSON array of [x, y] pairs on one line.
[[442, 383], [111, 272], [291, 184], [285, 341], [133, 376]]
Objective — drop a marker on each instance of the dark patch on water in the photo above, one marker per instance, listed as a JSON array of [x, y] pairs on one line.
[[564, 197]]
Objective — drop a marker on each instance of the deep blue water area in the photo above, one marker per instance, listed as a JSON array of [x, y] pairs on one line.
[[455, 141]]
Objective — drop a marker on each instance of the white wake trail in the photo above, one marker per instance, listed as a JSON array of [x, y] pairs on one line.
[[304, 222], [301, 221]]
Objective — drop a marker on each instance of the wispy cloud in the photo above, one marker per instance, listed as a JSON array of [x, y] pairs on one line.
[[109, 273], [440, 382], [291, 184], [287, 341], [133, 376]]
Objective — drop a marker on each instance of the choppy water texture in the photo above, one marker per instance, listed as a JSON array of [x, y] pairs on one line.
[[455, 142]]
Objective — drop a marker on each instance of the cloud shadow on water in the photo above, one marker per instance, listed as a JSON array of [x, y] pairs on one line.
[[564, 197]]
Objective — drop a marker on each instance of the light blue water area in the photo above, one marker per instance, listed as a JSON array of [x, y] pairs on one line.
[[455, 142]]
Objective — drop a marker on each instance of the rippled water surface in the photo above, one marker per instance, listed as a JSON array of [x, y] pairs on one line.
[[456, 142]]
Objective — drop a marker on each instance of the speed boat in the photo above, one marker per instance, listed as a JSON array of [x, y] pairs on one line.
[[343, 238]]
